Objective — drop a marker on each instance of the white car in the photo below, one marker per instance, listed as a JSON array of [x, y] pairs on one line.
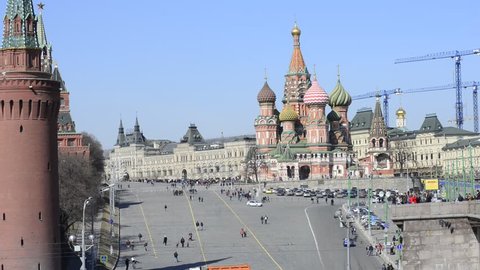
[[254, 203]]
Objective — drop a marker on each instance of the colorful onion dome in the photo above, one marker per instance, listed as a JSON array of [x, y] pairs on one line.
[[401, 112], [288, 114], [339, 96], [296, 31], [266, 94], [333, 116], [316, 95]]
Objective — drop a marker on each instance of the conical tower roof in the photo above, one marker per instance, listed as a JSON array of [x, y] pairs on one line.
[[266, 94], [340, 96], [27, 37], [378, 128], [297, 64], [41, 34]]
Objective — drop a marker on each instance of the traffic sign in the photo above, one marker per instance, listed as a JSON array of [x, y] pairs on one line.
[[399, 247], [103, 258]]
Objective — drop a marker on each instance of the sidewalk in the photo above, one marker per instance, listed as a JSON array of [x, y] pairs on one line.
[[380, 236], [109, 239]]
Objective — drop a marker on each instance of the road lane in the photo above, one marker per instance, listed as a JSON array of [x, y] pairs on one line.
[[287, 237]]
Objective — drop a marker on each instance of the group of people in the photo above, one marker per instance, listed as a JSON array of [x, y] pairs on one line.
[[387, 267], [377, 249], [264, 219]]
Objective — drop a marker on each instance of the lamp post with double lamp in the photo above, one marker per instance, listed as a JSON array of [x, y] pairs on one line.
[[91, 237]]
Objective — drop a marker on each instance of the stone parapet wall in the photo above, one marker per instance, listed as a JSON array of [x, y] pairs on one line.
[[429, 245]]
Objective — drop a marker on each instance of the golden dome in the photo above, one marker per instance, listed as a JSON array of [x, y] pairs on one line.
[[288, 114], [296, 31], [400, 112]]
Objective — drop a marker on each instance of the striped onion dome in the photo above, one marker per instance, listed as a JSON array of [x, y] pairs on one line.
[[266, 94], [288, 114], [316, 95], [340, 96]]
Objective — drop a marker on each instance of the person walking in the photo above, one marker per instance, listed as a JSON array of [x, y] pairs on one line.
[[261, 219], [265, 218], [127, 263], [182, 241], [241, 232], [165, 208], [197, 223], [201, 225], [145, 246], [134, 262], [175, 254], [140, 237], [165, 240]]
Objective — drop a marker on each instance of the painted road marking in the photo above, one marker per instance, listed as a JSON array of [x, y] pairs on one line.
[[314, 238], [250, 231], [196, 229], [148, 228]]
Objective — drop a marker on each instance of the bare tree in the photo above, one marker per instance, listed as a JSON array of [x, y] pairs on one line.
[[79, 178], [252, 163]]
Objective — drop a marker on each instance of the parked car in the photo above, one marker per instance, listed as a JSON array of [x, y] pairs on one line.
[[290, 193], [299, 193], [307, 194], [254, 203], [362, 193]]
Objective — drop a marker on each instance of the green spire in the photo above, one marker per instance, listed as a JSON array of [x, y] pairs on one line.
[[20, 25], [41, 34]]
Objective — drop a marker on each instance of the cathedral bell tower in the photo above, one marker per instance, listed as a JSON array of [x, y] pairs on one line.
[[297, 81], [29, 105]]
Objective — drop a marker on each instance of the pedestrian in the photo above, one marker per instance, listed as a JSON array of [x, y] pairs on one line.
[[165, 208], [165, 240], [265, 218], [241, 232], [127, 263], [175, 254], [199, 199], [197, 223], [261, 219], [202, 199], [182, 241], [190, 236], [201, 225], [317, 200], [132, 246], [145, 246], [311, 199], [134, 262], [140, 237]]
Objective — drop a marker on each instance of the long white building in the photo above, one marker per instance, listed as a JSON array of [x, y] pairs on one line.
[[192, 158]]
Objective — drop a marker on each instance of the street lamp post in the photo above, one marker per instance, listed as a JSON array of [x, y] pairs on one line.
[[83, 233]]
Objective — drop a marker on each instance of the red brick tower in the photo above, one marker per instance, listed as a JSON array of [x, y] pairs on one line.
[[297, 81], [29, 104], [266, 123]]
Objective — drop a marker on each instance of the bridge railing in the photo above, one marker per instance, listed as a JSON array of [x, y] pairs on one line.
[[419, 211]]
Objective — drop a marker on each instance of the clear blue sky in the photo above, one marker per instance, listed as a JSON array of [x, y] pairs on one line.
[[179, 62]]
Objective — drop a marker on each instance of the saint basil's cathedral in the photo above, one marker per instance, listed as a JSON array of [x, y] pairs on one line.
[[303, 141]]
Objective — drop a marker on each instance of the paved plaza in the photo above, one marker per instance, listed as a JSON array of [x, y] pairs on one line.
[[299, 234]]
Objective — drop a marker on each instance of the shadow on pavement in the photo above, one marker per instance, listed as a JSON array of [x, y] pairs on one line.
[[124, 205], [181, 266]]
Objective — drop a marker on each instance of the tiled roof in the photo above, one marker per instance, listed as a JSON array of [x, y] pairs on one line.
[[462, 143], [362, 120]]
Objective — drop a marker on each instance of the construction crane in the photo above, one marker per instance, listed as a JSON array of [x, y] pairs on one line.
[[457, 56], [380, 93], [398, 91]]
